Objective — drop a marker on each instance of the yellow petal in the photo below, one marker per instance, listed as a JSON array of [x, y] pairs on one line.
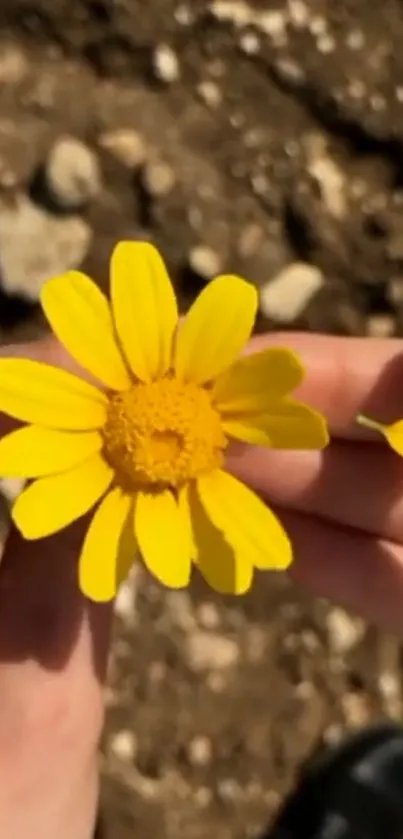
[[50, 504], [251, 528], [99, 565], [33, 452], [162, 538], [393, 433], [34, 392], [254, 382], [185, 511], [223, 569], [289, 425], [144, 308], [80, 317], [216, 329]]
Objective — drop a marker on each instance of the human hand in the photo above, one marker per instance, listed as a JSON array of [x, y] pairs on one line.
[[344, 511], [343, 507]]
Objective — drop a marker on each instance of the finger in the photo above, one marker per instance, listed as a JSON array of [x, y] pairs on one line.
[[53, 653], [347, 376], [359, 572], [355, 485], [53, 649]]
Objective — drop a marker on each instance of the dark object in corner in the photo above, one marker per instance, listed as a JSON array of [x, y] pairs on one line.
[[354, 791]]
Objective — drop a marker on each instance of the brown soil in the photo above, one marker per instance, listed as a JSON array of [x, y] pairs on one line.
[[281, 138]]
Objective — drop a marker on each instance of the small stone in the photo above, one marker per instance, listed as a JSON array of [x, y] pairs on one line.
[[380, 326], [205, 262], [250, 240], [125, 603], [289, 72], [235, 11], [210, 94], [344, 632], [395, 291], [272, 23], [298, 13], [35, 246], [332, 183], [203, 797], [126, 146], [11, 488], [286, 297], [389, 685], [211, 651], [200, 751], [326, 44], [123, 745], [158, 179], [318, 25], [356, 709], [166, 64], [72, 173], [208, 615], [228, 789], [183, 15], [333, 734], [14, 66], [249, 43]]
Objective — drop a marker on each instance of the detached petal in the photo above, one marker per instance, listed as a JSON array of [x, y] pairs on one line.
[[254, 382], [251, 528], [50, 504], [34, 392], [33, 451], [393, 433], [288, 425], [144, 308], [162, 538], [80, 317], [100, 571], [224, 569], [216, 329]]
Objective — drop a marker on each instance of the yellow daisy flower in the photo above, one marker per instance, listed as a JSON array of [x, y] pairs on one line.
[[149, 442]]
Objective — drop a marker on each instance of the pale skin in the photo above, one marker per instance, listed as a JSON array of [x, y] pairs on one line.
[[343, 509]]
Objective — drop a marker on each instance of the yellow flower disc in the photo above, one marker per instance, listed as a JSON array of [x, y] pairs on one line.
[[162, 434]]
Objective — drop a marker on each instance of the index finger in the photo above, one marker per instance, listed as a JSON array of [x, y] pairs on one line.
[[346, 377]]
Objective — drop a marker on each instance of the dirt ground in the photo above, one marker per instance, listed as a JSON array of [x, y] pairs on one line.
[[239, 135]]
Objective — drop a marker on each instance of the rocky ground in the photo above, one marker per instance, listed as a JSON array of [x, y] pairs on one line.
[[263, 137]]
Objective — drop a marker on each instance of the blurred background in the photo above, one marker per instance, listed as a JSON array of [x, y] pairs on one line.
[[263, 137]]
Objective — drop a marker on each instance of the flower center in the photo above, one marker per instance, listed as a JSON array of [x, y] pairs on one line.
[[163, 433]]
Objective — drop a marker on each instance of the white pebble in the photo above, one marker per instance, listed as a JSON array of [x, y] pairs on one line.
[[249, 43], [204, 261], [72, 173], [344, 631], [285, 298], [200, 751], [126, 145], [166, 64], [158, 178], [123, 745], [210, 93]]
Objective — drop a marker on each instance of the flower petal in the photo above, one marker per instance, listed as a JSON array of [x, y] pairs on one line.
[[249, 526], [99, 566], [254, 382], [34, 392], [50, 504], [33, 451], [393, 433], [80, 317], [185, 511], [144, 307], [162, 538], [216, 329], [288, 425], [224, 570]]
